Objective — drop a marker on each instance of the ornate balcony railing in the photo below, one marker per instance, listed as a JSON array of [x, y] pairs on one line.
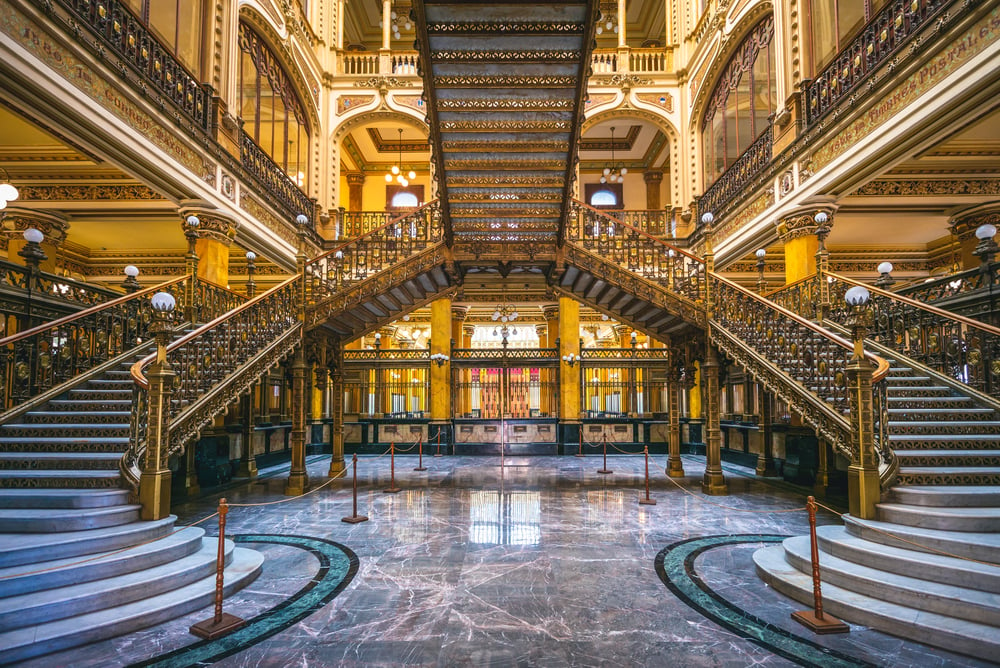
[[656, 222], [51, 286], [44, 357], [964, 349], [139, 52], [214, 300], [884, 35], [624, 354], [801, 297], [358, 64], [629, 247], [496, 355], [360, 223], [643, 60], [972, 293], [781, 348], [373, 252], [604, 61], [214, 365], [388, 355], [737, 178], [274, 180]]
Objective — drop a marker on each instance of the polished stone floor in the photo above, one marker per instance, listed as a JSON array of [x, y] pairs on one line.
[[545, 563]]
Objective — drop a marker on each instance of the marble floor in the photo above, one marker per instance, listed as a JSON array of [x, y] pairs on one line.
[[545, 563]]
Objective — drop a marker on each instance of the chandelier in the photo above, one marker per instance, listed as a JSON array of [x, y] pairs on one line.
[[614, 173], [400, 18], [608, 20], [396, 172], [8, 193], [505, 314]]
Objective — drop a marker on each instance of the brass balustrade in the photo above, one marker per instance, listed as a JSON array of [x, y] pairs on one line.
[[274, 180], [137, 50], [354, 261], [737, 177], [774, 342], [214, 300], [52, 286], [360, 223], [801, 297], [214, 365], [631, 248], [511, 354], [624, 354], [961, 348], [972, 293], [883, 36], [43, 357]]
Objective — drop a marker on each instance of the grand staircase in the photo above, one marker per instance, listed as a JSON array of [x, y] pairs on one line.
[[76, 563]]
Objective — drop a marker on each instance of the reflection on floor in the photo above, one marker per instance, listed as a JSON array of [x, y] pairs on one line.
[[545, 564]]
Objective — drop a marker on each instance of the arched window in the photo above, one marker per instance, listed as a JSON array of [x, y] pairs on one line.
[[741, 102], [404, 199], [271, 111], [603, 195], [178, 24], [603, 198]]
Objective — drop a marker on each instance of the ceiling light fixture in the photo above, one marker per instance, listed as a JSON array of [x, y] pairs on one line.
[[608, 20], [8, 193], [395, 173], [614, 173]]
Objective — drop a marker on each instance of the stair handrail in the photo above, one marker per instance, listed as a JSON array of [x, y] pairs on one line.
[[213, 365], [963, 348], [742, 316], [675, 268], [52, 353], [350, 262]]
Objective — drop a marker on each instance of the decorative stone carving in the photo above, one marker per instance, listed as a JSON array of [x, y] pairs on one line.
[[211, 225], [53, 224]]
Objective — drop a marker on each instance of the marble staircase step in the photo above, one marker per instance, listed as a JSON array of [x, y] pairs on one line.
[[36, 608], [913, 592], [980, 546], [930, 402], [954, 441], [13, 444], [35, 577], [60, 461], [947, 496], [949, 475], [54, 520], [51, 440], [958, 635], [835, 540], [24, 643], [979, 419], [75, 430], [975, 519], [62, 498], [907, 381], [61, 479], [920, 390], [102, 404], [17, 549]]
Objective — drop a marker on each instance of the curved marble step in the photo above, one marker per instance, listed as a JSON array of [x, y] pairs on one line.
[[51, 520], [28, 642], [957, 635], [979, 546], [976, 520], [16, 549], [912, 592], [948, 496], [62, 498], [835, 540], [42, 607], [35, 577]]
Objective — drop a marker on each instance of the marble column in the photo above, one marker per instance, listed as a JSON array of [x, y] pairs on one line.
[[298, 478], [569, 376], [675, 468], [337, 463], [441, 323], [215, 234], [713, 482], [248, 461]]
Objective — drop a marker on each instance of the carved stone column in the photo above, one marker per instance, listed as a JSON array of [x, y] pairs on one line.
[[714, 482], [653, 180]]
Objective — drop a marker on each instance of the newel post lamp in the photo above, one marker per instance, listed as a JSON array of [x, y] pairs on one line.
[[154, 481], [863, 487]]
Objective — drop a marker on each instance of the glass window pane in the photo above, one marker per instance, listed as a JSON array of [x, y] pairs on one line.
[[189, 34], [850, 19], [163, 21], [824, 32]]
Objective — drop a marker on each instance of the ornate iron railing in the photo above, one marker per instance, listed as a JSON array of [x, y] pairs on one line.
[[656, 222], [137, 49], [883, 36], [737, 177], [783, 350], [801, 297], [373, 252], [972, 293], [636, 250], [43, 357], [388, 355], [274, 180], [624, 354], [54, 287], [214, 365], [360, 223], [500, 354], [214, 300], [964, 349]]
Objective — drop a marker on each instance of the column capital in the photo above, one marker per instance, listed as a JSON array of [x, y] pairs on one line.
[[803, 223], [541, 330], [652, 176], [53, 224], [468, 330], [211, 224], [355, 178], [459, 313], [550, 312]]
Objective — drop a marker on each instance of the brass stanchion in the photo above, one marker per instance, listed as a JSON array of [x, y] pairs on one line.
[[580, 452], [647, 501], [605, 470], [420, 451], [392, 471], [438, 453], [814, 619], [222, 623], [355, 518]]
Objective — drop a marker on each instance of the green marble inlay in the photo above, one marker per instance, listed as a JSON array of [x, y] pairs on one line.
[[675, 566], [337, 566]]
